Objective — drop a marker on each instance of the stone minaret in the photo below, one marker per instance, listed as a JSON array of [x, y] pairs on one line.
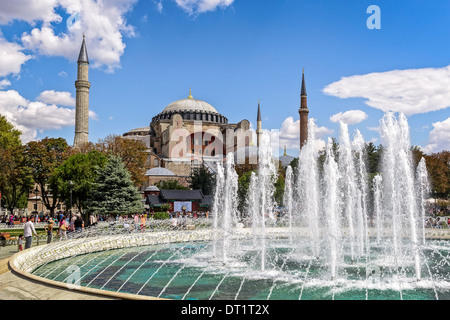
[[303, 111], [258, 125], [82, 99]]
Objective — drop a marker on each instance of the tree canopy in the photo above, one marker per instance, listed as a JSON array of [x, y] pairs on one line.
[[113, 191]]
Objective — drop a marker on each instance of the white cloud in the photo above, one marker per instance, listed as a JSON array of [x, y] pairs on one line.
[[60, 98], [4, 83], [29, 11], [289, 134], [11, 57], [411, 91], [439, 138], [103, 22], [200, 6], [349, 117], [31, 117], [62, 74]]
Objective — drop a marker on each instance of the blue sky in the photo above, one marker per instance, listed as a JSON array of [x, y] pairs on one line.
[[147, 54]]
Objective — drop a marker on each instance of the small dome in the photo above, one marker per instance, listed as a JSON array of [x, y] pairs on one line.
[[152, 188], [189, 104], [159, 172]]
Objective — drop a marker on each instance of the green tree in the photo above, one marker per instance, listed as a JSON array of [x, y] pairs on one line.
[[438, 165], [279, 190], [43, 157], [170, 185], [243, 185], [113, 191], [9, 136], [133, 154], [16, 180], [82, 170], [202, 179]]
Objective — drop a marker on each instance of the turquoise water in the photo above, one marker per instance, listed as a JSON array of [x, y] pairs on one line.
[[189, 271]]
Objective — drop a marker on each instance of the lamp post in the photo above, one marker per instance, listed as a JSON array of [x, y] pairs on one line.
[[36, 191], [71, 187]]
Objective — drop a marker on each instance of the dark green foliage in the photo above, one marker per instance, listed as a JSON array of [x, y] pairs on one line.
[[243, 185], [163, 215], [201, 179], [82, 170], [113, 191], [170, 185]]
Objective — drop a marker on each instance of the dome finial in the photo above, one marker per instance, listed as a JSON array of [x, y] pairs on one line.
[[190, 94]]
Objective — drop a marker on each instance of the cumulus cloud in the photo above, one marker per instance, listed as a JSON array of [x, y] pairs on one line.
[[439, 138], [61, 98], [4, 83], [103, 22], [289, 134], [28, 11], [31, 117], [11, 57], [200, 6], [411, 91], [349, 117]]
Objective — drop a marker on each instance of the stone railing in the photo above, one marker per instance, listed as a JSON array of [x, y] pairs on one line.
[[34, 257]]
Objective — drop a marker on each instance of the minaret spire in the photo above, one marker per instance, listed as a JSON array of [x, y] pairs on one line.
[[303, 111], [258, 125], [82, 98]]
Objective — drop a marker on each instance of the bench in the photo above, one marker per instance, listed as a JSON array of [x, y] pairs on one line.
[[8, 238]]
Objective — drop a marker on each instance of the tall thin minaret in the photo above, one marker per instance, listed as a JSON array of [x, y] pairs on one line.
[[303, 111], [82, 99], [258, 125]]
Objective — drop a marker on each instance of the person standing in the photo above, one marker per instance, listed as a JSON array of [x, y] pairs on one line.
[[28, 231], [19, 242], [78, 223], [49, 229], [63, 228]]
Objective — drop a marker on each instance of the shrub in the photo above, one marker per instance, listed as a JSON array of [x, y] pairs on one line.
[[161, 215]]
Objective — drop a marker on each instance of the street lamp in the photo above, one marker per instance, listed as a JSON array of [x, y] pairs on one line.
[[71, 187], [36, 191]]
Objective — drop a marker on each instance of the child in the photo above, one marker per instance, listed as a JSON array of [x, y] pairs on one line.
[[19, 242]]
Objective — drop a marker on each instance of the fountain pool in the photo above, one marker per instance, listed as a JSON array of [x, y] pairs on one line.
[[292, 272]]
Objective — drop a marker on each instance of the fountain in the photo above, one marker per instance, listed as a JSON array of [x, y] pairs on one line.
[[341, 236]]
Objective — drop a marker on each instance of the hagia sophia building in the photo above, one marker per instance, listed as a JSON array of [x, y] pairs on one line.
[[187, 133]]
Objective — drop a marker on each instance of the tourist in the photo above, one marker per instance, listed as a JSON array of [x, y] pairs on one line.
[[173, 222], [143, 218], [62, 228], [438, 223], [136, 222], [28, 231], [19, 242], [49, 230], [78, 223], [11, 221]]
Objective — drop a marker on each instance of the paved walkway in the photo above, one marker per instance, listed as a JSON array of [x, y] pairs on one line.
[[17, 287]]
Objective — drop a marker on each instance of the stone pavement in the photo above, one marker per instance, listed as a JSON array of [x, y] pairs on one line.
[[16, 287]]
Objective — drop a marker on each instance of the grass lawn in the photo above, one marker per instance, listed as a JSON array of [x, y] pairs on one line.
[[17, 232]]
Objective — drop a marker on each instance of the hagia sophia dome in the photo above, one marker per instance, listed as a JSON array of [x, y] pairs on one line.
[[191, 109]]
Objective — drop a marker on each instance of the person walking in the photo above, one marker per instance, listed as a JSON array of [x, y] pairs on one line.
[[19, 242], [62, 228], [28, 231], [49, 230]]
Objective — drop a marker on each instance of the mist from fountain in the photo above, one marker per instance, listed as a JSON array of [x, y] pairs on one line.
[[321, 246]]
